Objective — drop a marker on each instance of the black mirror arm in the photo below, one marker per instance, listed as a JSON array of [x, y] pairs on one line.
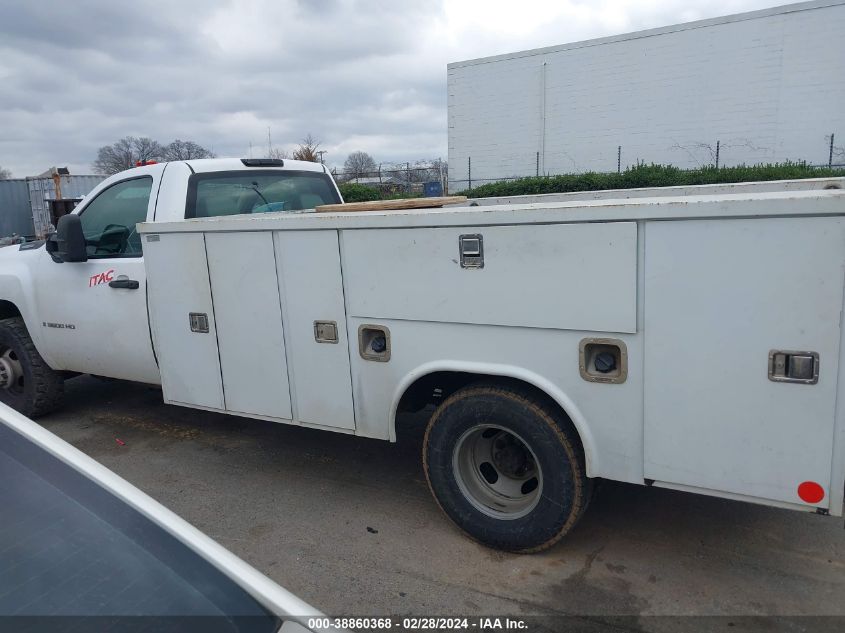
[[51, 245]]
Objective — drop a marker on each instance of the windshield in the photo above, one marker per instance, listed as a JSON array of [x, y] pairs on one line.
[[72, 548], [257, 191]]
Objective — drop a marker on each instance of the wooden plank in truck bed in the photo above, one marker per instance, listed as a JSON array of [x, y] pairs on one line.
[[392, 205]]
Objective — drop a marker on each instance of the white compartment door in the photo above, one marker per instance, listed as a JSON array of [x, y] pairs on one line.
[[250, 334], [719, 296], [563, 276], [177, 283], [312, 292]]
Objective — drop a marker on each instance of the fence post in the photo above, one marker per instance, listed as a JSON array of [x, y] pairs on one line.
[[408, 167], [830, 155], [537, 169], [619, 160], [469, 171], [718, 143]]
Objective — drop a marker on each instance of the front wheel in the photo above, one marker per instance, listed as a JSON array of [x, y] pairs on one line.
[[506, 467], [27, 383]]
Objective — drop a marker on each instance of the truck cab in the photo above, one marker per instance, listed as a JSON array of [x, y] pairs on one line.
[[88, 313]]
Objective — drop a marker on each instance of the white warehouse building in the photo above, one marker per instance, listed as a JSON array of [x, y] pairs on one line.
[[767, 86]]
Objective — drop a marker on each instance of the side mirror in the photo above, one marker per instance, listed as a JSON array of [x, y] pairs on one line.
[[70, 240]]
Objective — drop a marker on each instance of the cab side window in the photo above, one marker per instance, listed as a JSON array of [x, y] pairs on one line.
[[108, 222]]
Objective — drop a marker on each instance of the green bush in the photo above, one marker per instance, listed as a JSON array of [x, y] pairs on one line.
[[650, 176], [353, 192]]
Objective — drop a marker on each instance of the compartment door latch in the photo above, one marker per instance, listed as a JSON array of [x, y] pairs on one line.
[[792, 366], [199, 322], [325, 331], [471, 249]]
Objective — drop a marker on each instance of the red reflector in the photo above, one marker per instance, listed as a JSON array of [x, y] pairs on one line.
[[141, 163], [810, 492]]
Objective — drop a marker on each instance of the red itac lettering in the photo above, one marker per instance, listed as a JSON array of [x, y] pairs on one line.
[[101, 278]]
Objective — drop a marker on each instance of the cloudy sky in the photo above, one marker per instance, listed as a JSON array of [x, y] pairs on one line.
[[357, 75]]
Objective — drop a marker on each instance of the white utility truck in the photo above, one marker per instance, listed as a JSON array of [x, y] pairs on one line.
[[685, 338]]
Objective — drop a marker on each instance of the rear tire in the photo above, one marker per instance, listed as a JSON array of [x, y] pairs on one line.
[[506, 467], [27, 383]]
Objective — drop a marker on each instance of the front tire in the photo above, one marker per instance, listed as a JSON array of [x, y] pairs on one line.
[[506, 467], [27, 383]]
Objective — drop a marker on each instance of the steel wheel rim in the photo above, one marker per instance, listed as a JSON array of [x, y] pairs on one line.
[[11, 371], [497, 472]]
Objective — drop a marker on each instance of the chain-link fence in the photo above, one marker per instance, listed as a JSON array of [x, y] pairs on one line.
[[409, 178], [706, 154]]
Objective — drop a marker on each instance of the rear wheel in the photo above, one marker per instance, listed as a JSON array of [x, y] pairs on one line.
[[27, 383], [506, 467]]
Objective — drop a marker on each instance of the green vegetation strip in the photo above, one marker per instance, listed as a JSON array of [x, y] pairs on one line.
[[646, 176], [354, 192]]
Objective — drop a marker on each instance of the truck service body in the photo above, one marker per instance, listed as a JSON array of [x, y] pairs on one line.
[[686, 339]]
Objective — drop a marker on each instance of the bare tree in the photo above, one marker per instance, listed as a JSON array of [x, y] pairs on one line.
[[185, 150], [279, 153], [439, 170], [418, 171], [359, 164], [307, 150], [125, 154], [148, 149], [5, 174]]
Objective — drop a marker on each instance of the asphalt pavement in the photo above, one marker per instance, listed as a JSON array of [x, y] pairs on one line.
[[349, 525]]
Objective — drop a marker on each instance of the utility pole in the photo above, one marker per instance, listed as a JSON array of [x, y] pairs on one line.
[[269, 144], [321, 152]]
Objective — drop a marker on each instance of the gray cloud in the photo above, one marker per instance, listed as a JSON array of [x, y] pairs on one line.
[[357, 75]]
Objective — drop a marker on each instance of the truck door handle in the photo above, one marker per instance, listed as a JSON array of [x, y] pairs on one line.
[[129, 284], [791, 366]]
